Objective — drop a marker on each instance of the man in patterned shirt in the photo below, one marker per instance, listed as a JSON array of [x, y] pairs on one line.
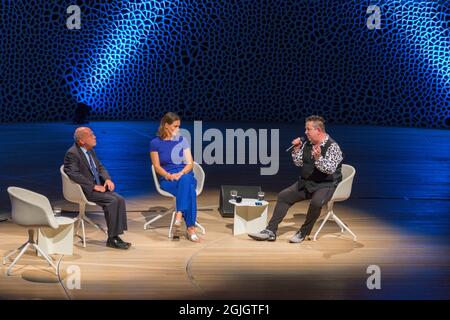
[[320, 160]]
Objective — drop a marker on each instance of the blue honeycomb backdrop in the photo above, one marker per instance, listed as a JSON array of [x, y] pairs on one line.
[[271, 60]]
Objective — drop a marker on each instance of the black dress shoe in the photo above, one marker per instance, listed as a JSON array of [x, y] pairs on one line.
[[120, 240], [116, 244]]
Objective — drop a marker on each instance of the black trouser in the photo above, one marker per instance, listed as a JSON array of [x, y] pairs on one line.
[[291, 195], [113, 205]]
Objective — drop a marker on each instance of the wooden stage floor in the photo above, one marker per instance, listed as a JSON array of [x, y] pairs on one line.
[[400, 215]]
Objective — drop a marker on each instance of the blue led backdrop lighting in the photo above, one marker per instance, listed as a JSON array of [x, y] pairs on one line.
[[228, 60]]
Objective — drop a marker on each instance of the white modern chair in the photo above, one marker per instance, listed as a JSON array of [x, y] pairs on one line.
[[199, 176], [32, 211], [342, 192], [73, 193]]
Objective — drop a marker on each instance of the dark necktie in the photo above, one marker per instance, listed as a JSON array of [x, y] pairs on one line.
[[93, 168]]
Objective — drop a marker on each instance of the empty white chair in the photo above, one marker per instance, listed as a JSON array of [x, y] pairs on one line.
[[73, 193], [32, 211], [199, 176], [342, 192]]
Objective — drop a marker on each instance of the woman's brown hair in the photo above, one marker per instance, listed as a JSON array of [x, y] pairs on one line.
[[168, 118]]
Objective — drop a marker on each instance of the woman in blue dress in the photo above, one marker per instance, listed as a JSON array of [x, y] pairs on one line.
[[172, 159]]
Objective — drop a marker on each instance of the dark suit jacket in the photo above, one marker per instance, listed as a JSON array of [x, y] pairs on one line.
[[77, 168]]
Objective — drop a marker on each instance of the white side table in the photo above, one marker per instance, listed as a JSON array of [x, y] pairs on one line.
[[57, 241], [249, 217]]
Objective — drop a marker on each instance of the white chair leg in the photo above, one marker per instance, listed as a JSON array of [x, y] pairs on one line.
[[322, 224], [83, 232], [171, 224], [8, 272], [81, 210], [83, 216], [338, 222], [92, 223], [46, 257], [159, 216], [88, 220], [77, 229], [13, 252], [345, 227], [201, 227], [77, 226]]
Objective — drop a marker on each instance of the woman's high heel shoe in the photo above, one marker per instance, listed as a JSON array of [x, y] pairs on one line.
[[193, 237]]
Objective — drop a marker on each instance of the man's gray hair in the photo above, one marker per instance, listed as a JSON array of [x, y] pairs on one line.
[[79, 133]]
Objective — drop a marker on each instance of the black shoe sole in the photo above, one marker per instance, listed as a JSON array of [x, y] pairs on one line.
[[128, 244], [259, 239], [117, 247]]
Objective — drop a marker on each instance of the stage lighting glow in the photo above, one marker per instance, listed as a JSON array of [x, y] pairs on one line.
[[424, 26], [219, 61], [416, 31], [134, 25]]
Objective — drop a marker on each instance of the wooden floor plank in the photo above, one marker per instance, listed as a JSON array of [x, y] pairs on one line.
[[224, 266]]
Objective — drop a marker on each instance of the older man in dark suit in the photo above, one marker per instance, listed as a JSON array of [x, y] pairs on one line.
[[83, 167]]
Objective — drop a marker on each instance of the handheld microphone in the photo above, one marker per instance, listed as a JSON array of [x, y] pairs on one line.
[[302, 139]]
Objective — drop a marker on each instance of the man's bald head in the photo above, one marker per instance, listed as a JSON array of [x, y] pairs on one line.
[[84, 137]]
